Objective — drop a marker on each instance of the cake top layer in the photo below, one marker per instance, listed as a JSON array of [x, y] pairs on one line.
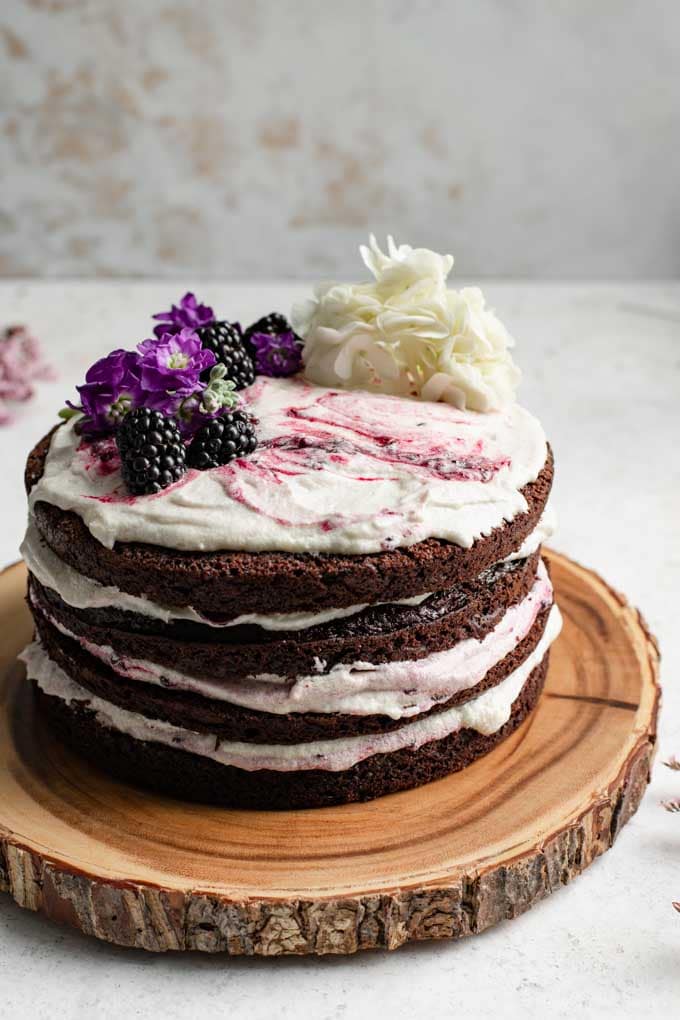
[[384, 417], [335, 471]]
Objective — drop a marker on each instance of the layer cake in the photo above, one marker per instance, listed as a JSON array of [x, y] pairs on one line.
[[356, 606]]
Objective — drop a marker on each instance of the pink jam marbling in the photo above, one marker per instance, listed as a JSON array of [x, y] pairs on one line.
[[335, 471]]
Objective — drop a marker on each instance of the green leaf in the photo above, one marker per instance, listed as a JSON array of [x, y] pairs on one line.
[[67, 413]]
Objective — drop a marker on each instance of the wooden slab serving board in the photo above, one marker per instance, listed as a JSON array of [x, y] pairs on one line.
[[443, 861]]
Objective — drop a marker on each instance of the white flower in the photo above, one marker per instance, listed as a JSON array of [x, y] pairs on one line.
[[406, 333]]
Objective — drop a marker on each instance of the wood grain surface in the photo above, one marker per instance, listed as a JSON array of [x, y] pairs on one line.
[[443, 861]]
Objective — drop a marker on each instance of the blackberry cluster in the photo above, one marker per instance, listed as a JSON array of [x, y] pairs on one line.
[[221, 440], [152, 453], [224, 339]]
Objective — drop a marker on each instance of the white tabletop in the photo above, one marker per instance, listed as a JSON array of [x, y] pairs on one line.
[[602, 370]]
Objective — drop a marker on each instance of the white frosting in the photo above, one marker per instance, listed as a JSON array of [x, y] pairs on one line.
[[335, 472], [405, 332], [486, 714], [547, 524], [302, 620], [83, 592], [396, 689]]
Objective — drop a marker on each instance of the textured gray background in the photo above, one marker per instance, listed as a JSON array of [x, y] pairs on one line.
[[246, 139]]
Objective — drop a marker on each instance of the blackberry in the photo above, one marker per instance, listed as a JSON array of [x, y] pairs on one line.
[[221, 440], [224, 339], [152, 453], [273, 324]]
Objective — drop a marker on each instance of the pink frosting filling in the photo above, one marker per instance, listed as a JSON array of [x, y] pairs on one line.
[[486, 714], [397, 689]]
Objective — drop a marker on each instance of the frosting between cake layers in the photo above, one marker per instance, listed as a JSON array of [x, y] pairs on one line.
[[397, 689], [344, 472], [81, 592], [486, 714]]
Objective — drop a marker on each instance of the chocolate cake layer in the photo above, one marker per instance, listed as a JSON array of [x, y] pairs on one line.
[[234, 583], [195, 778], [379, 634], [233, 722]]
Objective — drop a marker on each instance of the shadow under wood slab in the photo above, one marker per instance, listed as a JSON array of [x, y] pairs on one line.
[[443, 861]]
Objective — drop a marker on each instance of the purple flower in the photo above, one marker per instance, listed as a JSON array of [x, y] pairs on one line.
[[170, 369], [187, 314], [277, 355], [112, 387]]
